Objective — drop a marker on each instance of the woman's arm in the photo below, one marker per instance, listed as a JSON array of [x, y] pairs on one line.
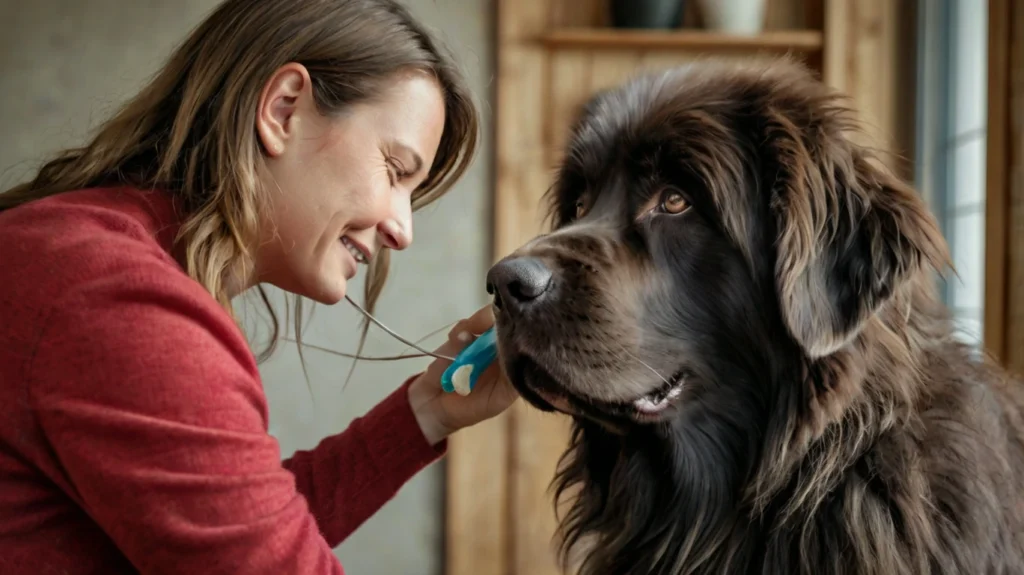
[[397, 438], [349, 476], [151, 402]]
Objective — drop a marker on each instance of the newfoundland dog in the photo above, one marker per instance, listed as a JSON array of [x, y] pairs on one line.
[[737, 306]]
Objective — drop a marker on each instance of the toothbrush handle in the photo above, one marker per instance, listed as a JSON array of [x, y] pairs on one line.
[[477, 355]]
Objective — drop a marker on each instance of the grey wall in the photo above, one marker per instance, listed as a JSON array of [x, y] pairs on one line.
[[65, 64]]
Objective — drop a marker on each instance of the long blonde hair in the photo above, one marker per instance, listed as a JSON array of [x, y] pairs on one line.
[[191, 131]]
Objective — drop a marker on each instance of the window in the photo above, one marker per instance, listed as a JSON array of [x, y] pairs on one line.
[[951, 131]]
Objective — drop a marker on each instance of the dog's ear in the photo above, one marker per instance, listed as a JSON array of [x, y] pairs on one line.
[[849, 233]]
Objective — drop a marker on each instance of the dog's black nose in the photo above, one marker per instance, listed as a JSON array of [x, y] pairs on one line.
[[517, 281]]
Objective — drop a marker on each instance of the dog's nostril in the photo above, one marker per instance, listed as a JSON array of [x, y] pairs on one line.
[[523, 291], [518, 280]]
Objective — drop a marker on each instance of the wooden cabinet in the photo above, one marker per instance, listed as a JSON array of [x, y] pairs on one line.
[[552, 55]]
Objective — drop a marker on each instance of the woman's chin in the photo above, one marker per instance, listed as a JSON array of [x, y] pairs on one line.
[[323, 286], [326, 290], [332, 293]]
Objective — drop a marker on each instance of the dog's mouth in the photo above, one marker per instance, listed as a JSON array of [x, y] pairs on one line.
[[543, 391], [663, 397]]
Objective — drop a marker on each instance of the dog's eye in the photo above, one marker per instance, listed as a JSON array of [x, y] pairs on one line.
[[581, 208], [674, 203]]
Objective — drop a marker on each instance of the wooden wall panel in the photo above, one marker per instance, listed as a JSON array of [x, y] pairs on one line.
[[612, 68], [997, 179], [539, 440], [568, 89], [869, 56], [1004, 219], [1015, 157], [521, 99], [660, 60]]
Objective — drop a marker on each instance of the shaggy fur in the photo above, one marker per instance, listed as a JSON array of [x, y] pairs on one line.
[[826, 421]]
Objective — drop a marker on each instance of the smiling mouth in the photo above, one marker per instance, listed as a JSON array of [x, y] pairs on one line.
[[357, 251]]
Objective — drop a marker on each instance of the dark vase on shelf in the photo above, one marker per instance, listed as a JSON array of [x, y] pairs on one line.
[[646, 13]]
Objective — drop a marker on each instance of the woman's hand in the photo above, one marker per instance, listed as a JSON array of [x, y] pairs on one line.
[[441, 414]]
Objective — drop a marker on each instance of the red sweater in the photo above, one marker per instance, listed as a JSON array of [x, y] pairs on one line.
[[133, 423]]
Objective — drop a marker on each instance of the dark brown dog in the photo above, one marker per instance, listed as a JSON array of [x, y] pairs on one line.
[[738, 309]]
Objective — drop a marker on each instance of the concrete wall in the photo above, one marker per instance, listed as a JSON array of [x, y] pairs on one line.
[[65, 64]]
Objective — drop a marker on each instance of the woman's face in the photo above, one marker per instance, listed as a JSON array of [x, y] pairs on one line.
[[340, 186]]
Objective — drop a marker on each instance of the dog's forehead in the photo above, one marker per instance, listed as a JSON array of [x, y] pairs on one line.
[[707, 90], [619, 113], [651, 108]]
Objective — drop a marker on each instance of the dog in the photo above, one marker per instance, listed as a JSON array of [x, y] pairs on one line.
[[736, 304]]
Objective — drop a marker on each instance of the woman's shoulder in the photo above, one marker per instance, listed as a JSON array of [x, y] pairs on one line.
[[89, 222], [95, 302], [93, 297], [51, 245], [98, 259]]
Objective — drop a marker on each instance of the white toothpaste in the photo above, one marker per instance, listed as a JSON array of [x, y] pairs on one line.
[[461, 379]]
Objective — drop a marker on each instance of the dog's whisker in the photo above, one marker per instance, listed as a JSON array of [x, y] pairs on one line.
[[644, 363]]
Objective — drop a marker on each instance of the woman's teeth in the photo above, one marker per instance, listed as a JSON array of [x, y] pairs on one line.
[[352, 249]]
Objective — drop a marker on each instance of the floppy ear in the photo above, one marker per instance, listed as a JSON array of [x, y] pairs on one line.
[[849, 233]]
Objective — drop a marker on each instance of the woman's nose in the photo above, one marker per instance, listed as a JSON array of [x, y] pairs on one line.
[[394, 234], [396, 229]]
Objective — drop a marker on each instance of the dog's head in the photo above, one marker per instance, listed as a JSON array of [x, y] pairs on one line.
[[710, 223]]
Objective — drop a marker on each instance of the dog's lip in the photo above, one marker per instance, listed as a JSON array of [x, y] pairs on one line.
[[657, 401], [651, 407], [529, 379], [558, 401]]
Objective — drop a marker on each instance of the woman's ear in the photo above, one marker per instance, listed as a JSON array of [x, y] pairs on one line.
[[282, 99], [849, 234]]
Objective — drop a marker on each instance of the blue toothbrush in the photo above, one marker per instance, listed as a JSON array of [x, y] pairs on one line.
[[461, 376]]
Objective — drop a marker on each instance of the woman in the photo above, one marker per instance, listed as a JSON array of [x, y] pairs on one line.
[[283, 143]]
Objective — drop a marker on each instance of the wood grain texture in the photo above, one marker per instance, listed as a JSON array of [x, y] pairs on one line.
[[869, 56], [1004, 238], [614, 67], [997, 179], [861, 63], [477, 485], [838, 55], [1015, 157], [520, 102]]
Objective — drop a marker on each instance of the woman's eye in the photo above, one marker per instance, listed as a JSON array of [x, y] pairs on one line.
[[674, 203], [395, 172]]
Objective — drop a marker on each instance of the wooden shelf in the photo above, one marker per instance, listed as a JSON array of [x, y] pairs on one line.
[[626, 39]]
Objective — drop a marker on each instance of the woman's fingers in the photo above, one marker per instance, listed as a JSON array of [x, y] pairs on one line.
[[500, 390], [468, 329], [480, 321]]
